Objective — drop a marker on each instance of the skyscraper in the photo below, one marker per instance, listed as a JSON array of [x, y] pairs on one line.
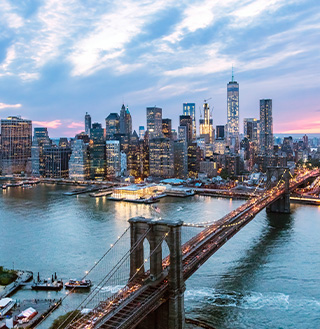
[[154, 121], [166, 128], [113, 158], [233, 115], [122, 120], [266, 127], [141, 132], [40, 140], [97, 152], [206, 125], [251, 129], [161, 157], [16, 140], [112, 125], [220, 132], [125, 121], [79, 161], [190, 109], [87, 123], [186, 121]]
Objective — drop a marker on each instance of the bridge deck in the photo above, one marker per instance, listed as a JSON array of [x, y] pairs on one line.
[[127, 310]]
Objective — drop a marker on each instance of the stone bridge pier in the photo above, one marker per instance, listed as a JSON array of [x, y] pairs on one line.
[[282, 205], [170, 315]]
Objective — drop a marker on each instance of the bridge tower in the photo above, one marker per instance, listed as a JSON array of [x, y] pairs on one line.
[[169, 315], [281, 205]]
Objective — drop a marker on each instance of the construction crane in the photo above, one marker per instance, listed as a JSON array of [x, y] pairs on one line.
[[206, 100]]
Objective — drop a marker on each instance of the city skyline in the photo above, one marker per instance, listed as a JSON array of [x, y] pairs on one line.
[[116, 55]]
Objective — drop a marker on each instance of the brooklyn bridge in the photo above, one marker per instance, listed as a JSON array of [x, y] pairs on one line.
[[148, 287]]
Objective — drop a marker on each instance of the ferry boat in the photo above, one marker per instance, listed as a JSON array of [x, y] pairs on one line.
[[182, 193], [78, 284]]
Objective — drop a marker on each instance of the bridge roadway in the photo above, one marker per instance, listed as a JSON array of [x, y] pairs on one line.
[[130, 306]]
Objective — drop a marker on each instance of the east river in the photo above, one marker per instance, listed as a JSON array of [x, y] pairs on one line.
[[267, 276]]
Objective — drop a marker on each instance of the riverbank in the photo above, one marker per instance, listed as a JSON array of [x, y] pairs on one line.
[[7, 276]]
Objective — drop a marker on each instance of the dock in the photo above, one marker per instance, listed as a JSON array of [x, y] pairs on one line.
[[23, 277], [42, 307]]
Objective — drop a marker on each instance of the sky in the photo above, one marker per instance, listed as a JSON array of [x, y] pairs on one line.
[[62, 58]]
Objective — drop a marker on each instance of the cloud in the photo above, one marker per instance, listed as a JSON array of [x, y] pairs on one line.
[[8, 16], [7, 106], [111, 33], [76, 125], [54, 124]]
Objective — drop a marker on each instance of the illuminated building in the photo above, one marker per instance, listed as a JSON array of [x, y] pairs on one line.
[[134, 192], [182, 133], [141, 132], [166, 128], [266, 127], [97, 151], [87, 123], [194, 158], [40, 139], [79, 161], [251, 129], [56, 161], [190, 109], [161, 157], [208, 167], [186, 121], [154, 121], [133, 156], [233, 115], [123, 164], [219, 146], [180, 159], [113, 158], [233, 164], [206, 125], [112, 125], [16, 140], [125, 121]]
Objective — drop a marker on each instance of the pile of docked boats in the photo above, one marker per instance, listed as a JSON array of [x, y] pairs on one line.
[[55, 284]]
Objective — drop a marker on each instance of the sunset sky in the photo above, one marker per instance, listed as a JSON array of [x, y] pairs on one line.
[[62, 58]]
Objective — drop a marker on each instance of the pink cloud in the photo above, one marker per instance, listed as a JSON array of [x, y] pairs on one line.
[[5, 106], [54, 124], [302, 126], [73, 125]]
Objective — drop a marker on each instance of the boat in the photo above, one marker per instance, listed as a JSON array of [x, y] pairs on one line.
[[47, 285], [151, 200], [78, 284], [182, 193], [4, 187], [53, 284]]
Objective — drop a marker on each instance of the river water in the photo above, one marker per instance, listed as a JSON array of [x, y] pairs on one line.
[[267, 276]]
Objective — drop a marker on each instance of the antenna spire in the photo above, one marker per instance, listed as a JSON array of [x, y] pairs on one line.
[[232, 74]]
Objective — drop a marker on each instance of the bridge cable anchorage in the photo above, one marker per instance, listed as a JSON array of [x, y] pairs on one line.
[[122, 291], [106, 278], [87, 273]]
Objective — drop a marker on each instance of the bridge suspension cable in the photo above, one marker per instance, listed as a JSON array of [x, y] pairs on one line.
[[112, 246], [121, 293], [104, 280]]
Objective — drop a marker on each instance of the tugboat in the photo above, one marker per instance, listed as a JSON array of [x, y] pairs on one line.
[[53, 284], [78, 284]]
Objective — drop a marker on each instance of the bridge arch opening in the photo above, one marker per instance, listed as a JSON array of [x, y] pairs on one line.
[[146, 255], [165, 254]]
